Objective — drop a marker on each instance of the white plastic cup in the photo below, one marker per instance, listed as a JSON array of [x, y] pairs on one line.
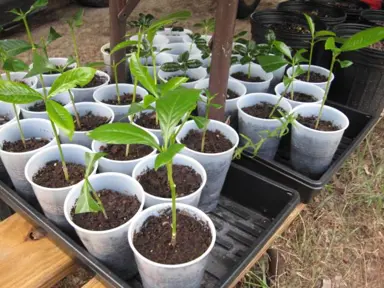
[[191, 199], [197, 73], [315, 69], [31, 81], [256, 70], [86, 94], [109, 246], [312, 150], [186, 275], [81, 137], [6, 109], [63, 98], [230, 104], [174, 37], [50, 78], [51, 200], [216, 165], [124, 167], [256, 128], [278, 76], [159, 41], [13, 162], [301, 87], [109, 92], [179, 48], [106, 57]]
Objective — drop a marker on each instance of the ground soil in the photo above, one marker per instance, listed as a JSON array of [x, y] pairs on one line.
[[188, 81], [378, 46], [313, 77], [300, 97], [244, 77], [215, 141], [289, 27], [263, 110], [187, 181], [30, 145], [148, 120], [117, 151], [90, 122], [120, 208], [323, 125], [4, 119], [125, 99], [40, 106], [97, 80], [52, 176], [153, 241]]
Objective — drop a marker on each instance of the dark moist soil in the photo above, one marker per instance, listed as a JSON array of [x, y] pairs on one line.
[[90, 121], [120, 208], [316, 13], [125, 99], [52, 176], [31, 144], [58, 69], [40, 106], [4, 119], [378, 46], [97, 80], [244, 77], [153, 241], [230, 94], [300, 97], [289, 27], [215, 141], [310, 122], [263, 110], [313, 77], [117, 151], [187, 181], [188, 81], [147, 120]]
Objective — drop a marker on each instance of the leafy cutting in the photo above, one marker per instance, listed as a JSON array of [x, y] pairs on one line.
[[183, 64]]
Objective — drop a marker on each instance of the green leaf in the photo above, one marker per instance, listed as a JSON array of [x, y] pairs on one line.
[[123, 133], [135, 108], [324, 33], [61, 117], [14, 65], [299, 56], [78, 18], [330, 44], [172, 107], [86, 203], [148, 100], [363, 39], [142, 75], [183, 57], [90, 161], [14, 47], [270, 63], [310, 23], [123, 45], [17, 93], [194, 63], [40, 65], [70, 79], [172, 84], [200, 122], [38, 4], [170, 67], [344, 63], [283, 48], [52, 36], [166, 156], [287, 81], [95, 64]]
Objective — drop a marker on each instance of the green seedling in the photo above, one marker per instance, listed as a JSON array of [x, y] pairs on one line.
[[196, 39], [207, 25], [183, 64], [52, 36]]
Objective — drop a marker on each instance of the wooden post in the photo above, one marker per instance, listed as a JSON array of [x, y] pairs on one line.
[[221, 54]]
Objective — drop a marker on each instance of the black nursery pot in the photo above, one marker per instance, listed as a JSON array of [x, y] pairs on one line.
[[372, 17], [353, 8], [361, 85], [331, 16]]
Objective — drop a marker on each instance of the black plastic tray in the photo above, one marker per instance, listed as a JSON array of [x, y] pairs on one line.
[[281, 171], [250, 211]]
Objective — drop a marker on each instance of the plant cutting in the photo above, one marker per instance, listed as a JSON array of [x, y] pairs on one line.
[[207, 26], [100, 209], [322, 125]]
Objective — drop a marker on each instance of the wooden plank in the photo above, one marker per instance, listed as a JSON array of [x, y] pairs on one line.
[[279, 231], [94, 283], [29, 263]]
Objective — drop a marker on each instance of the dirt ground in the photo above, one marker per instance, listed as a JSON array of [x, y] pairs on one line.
[[338, 241]]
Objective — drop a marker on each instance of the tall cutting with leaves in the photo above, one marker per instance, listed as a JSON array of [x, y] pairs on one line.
[[207, 25]]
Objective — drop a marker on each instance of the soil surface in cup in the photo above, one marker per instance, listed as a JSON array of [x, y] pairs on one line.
[[148, 120], [97, 80], [40, 106], [244, 77], [313, 77], [263, 110], [58, 70], [378, 46], [324, 125], [230, 94], [190, 79], [289, 27], [215, 141], [315, 12], [154, 182], [90, 121], [118, 151], [30, 145], [4, 119], [52, 176], [300, 97], [120, 208], [125, 99], [153, 241], [346, 5], [378, 22]]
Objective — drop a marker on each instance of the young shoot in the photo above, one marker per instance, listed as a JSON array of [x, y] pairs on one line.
[[207, 25], [52, 36], [76, 22], [89, 201], [183, 64], [196, 39]]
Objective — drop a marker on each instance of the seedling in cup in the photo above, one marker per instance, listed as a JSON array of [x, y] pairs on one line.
[[183, 64], [207, 25]]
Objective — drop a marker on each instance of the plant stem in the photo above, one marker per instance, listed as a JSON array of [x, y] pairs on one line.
[[173, 193], [29, 35], [281, 97], [97, 198], [126, 150], [65, 169], [75, 45], [114, 66], [249, 69], [77, 116], [310, 59], [153, 63], [205, 124], [334, 56]]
